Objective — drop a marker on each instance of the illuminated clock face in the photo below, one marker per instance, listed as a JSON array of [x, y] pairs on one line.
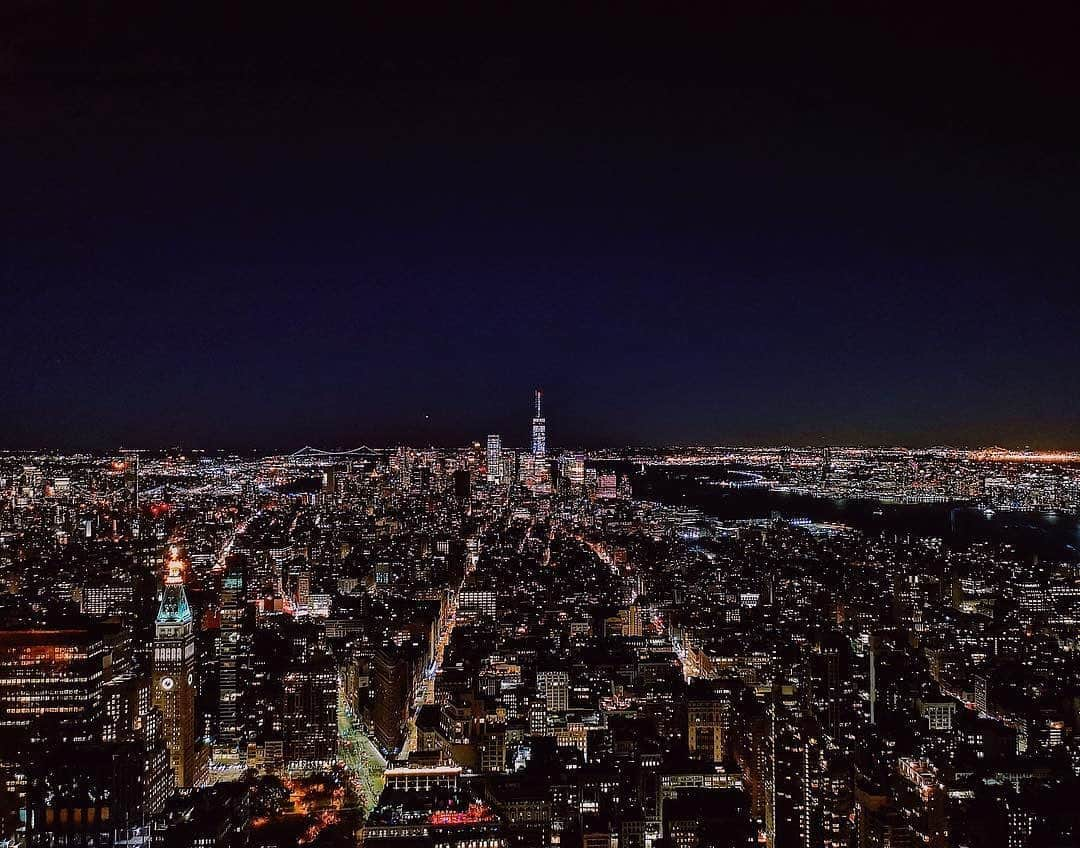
[[190, 678], [167, 683]]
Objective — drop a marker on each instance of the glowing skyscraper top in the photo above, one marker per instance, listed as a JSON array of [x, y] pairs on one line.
[[174, 603]]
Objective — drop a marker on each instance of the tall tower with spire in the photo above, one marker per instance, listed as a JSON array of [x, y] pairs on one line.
[[173, 678], [539, 428]]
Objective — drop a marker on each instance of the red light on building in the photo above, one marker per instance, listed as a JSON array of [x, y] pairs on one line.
[[476, 813]]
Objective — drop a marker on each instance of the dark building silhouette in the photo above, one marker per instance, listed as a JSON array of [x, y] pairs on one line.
[[390, 682]]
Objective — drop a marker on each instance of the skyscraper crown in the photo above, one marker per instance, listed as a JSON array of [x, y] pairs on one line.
[[174, 603]]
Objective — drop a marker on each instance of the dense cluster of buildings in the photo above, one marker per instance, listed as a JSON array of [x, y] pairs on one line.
[[489, 647]]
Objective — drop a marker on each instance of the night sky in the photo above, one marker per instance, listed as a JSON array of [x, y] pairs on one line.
[[259, 228]]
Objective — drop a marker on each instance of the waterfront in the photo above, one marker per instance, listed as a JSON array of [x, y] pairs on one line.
[[1051, 534]]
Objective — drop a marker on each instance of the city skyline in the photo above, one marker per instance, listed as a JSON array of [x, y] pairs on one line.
[[536, 442], [529, 647]]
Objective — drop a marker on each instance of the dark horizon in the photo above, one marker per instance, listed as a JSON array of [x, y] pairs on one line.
[[237, 227]]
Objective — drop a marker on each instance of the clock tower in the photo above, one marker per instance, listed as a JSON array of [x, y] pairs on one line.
[[173, 681]]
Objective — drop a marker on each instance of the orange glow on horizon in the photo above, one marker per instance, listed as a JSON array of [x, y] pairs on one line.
[[1025, 456]]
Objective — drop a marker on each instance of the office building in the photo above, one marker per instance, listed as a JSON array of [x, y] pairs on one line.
[[494, 458]]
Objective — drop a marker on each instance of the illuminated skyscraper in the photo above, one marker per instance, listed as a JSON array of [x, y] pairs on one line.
[[539, 429], [710, 707], [793, 814], [494, 458], [233, 649], [174, 672], [555, 688], [51, 683], [309, 715]]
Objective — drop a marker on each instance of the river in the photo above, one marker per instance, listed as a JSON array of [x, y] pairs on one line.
[[1052, 535]]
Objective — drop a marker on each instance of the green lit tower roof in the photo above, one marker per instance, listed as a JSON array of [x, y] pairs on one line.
[[174, 607]]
